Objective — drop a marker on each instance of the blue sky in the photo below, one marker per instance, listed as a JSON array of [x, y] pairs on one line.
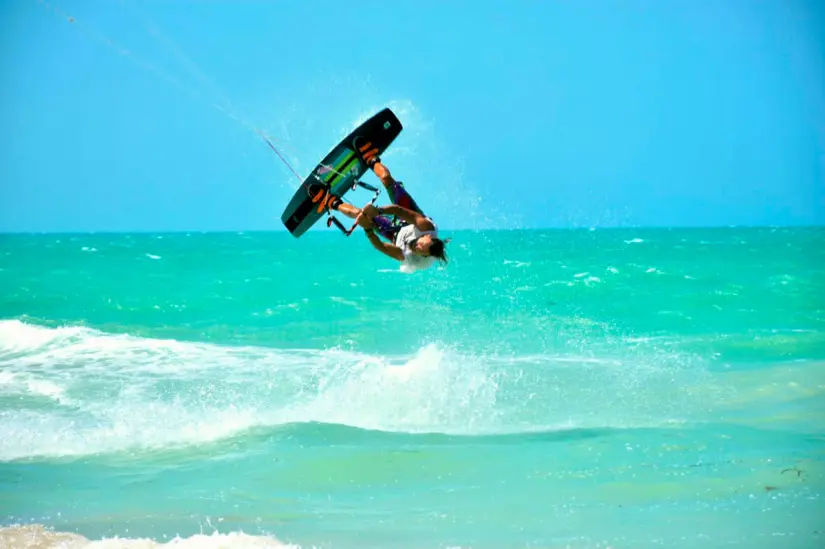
[[535, 113]]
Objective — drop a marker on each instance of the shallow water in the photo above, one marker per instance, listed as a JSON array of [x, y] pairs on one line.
[[608, 388]]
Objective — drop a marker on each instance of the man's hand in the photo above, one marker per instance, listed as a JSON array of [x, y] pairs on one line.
[[370, 211], [363, 220]]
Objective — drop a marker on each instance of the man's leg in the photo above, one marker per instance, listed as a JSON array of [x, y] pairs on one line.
[[347, 209], [398, 194], [382, 223], [395, 189]]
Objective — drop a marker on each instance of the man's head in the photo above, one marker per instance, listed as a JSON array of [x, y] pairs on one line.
[[429, 245]]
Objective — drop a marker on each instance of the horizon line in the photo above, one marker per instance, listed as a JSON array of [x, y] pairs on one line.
[[502, 229]]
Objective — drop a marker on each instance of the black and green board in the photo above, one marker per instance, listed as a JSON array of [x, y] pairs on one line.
[[339, 170]]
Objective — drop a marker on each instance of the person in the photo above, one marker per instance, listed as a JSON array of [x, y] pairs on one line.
[[414, 239]]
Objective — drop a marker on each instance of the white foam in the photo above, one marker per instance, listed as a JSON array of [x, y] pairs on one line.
[[17, 337], [427, 393], [344, 301], [119, 385], [36, 536], [516, 264], [107, 391], [44, 388]]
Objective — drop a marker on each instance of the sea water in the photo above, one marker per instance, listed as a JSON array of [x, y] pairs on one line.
[[625, 388]]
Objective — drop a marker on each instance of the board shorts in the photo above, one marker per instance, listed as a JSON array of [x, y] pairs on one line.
[[389, 226]]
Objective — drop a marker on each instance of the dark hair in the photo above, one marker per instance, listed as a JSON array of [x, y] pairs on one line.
[[437, 250]]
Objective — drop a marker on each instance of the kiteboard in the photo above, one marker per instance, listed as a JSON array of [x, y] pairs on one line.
[[338, 172]]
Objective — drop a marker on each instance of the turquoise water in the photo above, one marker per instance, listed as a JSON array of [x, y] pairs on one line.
[[592, 388]]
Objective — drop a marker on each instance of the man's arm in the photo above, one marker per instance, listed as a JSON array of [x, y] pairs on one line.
[[421, 222], [384, 247]]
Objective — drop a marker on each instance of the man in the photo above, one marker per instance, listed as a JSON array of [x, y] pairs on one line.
[[413, 241]]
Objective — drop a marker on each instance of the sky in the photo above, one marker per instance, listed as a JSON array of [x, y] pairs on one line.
[[139, 115]]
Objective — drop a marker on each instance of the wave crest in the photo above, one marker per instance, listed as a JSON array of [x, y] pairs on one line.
[[78, 391]]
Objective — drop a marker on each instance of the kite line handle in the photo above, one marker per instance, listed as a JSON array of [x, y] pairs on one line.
[[332, 219]]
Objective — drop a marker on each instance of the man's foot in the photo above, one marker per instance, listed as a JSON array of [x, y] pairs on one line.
[[326, 200], [366, 151]]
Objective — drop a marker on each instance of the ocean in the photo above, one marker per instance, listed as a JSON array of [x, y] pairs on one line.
[[593, 388]]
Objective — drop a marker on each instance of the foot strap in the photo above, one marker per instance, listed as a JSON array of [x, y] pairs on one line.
[[367, 152], [326, 200]]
